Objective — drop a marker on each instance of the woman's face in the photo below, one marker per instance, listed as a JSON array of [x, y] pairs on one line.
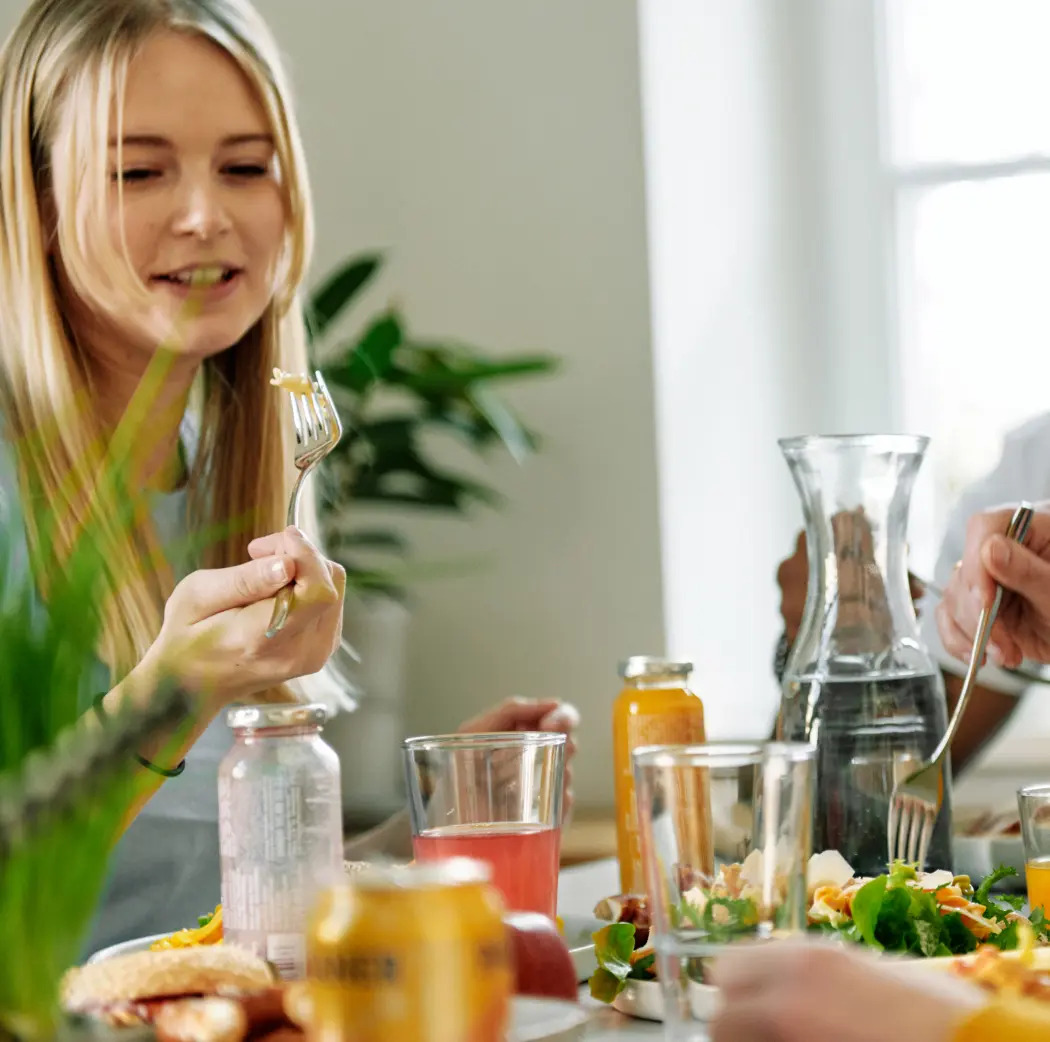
[[201, 201]]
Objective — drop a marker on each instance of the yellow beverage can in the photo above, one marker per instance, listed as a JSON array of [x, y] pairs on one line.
[[415, 952]]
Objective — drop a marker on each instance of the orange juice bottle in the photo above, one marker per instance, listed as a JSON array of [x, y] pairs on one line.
[[655, 707]]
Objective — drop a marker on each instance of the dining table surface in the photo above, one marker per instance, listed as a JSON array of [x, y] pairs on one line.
[[580, 888]]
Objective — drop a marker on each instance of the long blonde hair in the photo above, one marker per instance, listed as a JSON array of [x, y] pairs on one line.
[[60, 70]]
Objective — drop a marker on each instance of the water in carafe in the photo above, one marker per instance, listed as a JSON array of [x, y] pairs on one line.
[[859, 683]]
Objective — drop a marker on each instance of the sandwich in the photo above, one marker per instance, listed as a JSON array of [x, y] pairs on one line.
[[214, 993]]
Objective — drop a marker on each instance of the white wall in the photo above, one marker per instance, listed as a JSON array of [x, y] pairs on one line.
[[495, 148]]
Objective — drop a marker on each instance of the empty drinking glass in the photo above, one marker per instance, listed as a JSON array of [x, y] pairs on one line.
[[726, 836]]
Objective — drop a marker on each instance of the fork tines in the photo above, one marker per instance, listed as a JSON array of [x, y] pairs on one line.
[[310, 417]]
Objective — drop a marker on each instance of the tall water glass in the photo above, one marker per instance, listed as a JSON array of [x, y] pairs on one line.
[[495, 797], [726, 835]]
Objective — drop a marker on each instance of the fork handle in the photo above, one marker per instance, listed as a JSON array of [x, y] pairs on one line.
[[282, 604], [1017, 530]]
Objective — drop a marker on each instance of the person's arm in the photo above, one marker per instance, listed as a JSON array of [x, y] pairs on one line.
[[391, 839], [986, 713]]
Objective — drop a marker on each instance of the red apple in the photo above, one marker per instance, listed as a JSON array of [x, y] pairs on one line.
[[542, 963]]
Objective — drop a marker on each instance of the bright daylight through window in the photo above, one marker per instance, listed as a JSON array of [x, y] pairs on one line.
[[966, 90]]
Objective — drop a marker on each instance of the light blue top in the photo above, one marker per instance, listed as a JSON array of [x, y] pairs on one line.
[[165, 869]]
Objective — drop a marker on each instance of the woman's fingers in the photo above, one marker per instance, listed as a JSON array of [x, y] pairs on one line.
[[514, 714], [213, 590], [318, 581]]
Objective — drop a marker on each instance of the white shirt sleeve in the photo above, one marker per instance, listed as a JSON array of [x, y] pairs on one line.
[[1023, 472]]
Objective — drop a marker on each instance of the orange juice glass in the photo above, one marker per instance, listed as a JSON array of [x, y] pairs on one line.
[[1033, 802], [655, 707]]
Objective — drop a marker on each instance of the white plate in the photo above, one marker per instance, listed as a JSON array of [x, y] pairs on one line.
[[552, 1020], [578, 934], [531, 1019], [578, 930], [138, 944]]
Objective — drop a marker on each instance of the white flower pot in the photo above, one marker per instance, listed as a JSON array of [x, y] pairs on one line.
[[368, 740]]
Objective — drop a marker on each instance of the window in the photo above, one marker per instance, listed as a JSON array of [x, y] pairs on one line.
[[966, 87]]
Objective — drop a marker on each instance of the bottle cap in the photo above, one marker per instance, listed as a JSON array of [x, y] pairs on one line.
[[640, 666], [265, 717]]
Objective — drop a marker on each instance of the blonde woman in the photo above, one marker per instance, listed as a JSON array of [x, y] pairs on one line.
[[146, 145]]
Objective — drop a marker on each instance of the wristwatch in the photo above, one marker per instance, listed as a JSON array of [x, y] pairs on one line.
[[780, 656]]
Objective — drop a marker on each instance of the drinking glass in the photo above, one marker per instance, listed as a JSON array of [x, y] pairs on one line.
[[1033, 803], [726, 835], [495, 797]]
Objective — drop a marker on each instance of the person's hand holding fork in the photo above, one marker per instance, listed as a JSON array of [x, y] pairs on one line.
[[1022, 629]]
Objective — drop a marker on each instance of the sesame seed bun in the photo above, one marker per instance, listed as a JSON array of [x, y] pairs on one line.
[[201, 970]]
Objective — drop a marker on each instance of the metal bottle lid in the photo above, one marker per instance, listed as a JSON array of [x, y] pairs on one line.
[[457, 871], [266, 717], [639, 666]]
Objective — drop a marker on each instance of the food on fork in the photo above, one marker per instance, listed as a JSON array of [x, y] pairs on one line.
[[294, 383]]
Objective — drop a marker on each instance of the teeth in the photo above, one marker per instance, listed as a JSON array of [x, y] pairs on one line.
[[203, 277]]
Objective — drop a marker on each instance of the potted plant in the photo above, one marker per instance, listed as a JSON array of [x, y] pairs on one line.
[[66, 789], [393, 389]]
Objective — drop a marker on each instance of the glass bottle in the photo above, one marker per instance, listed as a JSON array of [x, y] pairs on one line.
[[280, 829], [859, 682], [655, 707]]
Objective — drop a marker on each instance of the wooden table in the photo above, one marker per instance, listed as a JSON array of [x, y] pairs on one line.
[[589, 836]]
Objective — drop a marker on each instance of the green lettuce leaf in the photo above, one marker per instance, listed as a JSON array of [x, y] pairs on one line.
[[1007, 939], [866, 905], [605, 986], [981, 896], [613, 946]]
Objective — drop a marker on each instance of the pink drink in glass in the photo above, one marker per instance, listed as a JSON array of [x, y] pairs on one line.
[[524, 858]]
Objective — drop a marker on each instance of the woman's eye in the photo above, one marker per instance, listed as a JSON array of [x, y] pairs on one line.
[[134, 174], [247, 170]]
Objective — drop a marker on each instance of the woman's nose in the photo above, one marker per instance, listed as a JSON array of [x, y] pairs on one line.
[[201, 212]]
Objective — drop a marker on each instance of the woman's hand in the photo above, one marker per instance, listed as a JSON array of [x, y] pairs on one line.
[[1022, 629], [793, 991], [524, 714], [213, 639]]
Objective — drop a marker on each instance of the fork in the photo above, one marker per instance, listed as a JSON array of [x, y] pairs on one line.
[[917, 799], [317, 431]]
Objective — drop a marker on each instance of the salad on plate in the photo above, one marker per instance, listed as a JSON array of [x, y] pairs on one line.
[[904, 911]]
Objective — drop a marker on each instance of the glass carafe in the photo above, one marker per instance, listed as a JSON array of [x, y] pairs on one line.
[[859, 682]]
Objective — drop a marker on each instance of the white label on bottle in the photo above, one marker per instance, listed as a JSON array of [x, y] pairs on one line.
[[287, 951]]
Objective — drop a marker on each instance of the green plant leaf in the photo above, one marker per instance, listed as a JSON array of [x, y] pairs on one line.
[[369, 361], [503, 421], [369, 539], [336, 292]]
